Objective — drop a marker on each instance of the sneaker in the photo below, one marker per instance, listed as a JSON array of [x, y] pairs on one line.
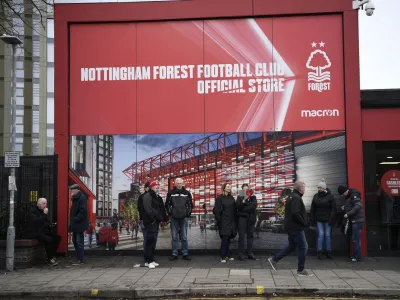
[[252, 257], [304, 273], [230, 258], [146, 264], [156, 264], [152, 266], [52, 262], [353, 259], [173, 257], [241, 258], [77, 263], [272, 263], [223, 260], [187, 257], [328, 255]]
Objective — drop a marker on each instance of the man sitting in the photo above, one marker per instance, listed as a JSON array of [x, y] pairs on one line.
[[39, 228]]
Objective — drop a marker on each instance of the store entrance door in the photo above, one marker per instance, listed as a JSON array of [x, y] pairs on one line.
[[382, 190]]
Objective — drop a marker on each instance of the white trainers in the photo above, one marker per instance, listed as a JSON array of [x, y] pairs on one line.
[[152, 266], [156, 264], [223, 260]]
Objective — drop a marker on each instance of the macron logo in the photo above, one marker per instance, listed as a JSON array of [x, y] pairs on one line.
[[319, 113]]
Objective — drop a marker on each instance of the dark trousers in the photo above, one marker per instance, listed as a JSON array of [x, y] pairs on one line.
[[225, 243], [151, 241], [78, 239], [111, 246], [356, 238], [51, 243], [246, 229], [297, 239]]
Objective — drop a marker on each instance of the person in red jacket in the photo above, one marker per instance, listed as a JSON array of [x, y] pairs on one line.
[[103, 235], [113, 237]]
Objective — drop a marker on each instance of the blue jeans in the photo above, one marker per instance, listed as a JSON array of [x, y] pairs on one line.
[[90, 239], [183, 225], [78, 238], [296, 238], [356, 238], [225, 244], [324, 233]]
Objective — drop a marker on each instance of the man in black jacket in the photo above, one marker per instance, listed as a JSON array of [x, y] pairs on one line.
[[79, 222], [295, 222], [141, 211], [246, 206], [39, 227], [354, 212], [179, 206], [154, 213]]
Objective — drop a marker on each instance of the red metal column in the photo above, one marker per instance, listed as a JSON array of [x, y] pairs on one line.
[[61, 124], [353, 109]]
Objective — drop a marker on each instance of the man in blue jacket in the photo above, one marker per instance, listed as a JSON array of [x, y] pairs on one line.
[[79, 222]]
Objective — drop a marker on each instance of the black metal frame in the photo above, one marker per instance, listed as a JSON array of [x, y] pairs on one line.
[[36, 178]]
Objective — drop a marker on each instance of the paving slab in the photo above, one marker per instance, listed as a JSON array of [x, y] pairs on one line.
[[118, 278]]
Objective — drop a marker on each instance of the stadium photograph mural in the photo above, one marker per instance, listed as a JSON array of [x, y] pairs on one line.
[[268, 162], [210, 102]]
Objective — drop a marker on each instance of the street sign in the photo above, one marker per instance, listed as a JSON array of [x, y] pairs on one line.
[[11, 159]]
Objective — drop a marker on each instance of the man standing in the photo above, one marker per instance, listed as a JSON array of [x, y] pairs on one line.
[[39, 227], [141, 211], [153, 213], [246, 204], [295, 222], [179, 206], [79, 222], [354, 212]]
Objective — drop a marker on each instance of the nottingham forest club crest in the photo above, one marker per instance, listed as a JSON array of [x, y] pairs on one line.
[[319, 78]]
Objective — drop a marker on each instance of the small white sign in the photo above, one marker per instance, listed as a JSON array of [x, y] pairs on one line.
[[11, 159]]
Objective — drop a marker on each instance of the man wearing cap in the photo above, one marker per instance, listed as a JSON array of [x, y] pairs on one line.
[[141, 211], [179, 206], [79, 222], [354, 212], [154, 213]]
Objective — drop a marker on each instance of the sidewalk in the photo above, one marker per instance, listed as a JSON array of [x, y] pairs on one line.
[[114, 276]]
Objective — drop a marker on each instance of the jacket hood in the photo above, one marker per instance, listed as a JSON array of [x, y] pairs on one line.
[[298, 192], [77, 195], [353, 192]]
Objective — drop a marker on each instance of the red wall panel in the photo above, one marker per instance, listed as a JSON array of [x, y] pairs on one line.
[[381, 124]]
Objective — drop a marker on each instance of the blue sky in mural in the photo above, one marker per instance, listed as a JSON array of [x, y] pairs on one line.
[[131, 148]]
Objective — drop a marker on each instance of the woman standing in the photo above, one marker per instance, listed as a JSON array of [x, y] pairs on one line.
[[323, 209], [225, 214]]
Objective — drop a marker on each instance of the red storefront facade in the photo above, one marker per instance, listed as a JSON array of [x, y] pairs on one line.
[[109, 24]]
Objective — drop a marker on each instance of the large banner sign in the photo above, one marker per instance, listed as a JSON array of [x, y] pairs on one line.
[[242, 75]]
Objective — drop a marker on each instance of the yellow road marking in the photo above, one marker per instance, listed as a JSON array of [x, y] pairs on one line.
[[260, 290], [94, 292]]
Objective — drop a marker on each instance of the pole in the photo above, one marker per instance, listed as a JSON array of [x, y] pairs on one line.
[[11, 228]]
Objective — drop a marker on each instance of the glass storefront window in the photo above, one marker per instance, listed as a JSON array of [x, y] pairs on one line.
[[382, 192]]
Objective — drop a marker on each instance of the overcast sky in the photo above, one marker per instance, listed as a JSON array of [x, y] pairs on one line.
[[380, 46]]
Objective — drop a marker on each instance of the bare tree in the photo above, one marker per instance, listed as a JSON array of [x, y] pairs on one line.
[[15, 14]]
